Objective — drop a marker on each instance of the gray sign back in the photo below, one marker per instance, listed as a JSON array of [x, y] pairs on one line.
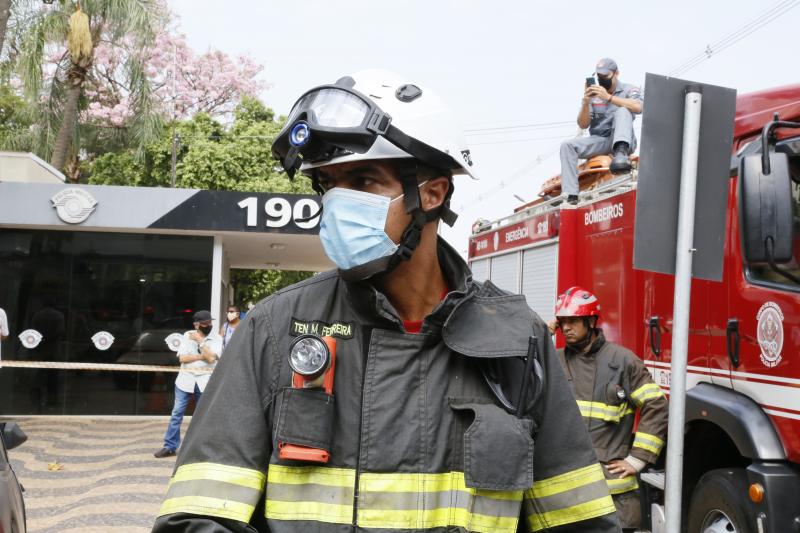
[[655, 235]]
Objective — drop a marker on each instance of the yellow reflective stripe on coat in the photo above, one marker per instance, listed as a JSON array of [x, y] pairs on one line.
[[567, 498], [648, 442], [212, 489], [619, 486], [602, 411], [388, 500], [645, 393], [422, 501], [317, 493]]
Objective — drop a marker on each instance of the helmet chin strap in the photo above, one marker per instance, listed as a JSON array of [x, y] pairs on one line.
[[412, 235]]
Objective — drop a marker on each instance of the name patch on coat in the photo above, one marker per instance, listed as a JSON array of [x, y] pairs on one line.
[[341, 330]]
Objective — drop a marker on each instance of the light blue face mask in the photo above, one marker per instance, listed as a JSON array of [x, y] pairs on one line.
[[352, 227]]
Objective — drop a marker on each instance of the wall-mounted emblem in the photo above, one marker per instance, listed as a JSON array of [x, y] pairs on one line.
[[496, 240], [770, 333], [173, 341], [30, 338], [73, 205], [103, 340]]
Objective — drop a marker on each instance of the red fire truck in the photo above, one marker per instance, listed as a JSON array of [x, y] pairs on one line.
[[742, 444]]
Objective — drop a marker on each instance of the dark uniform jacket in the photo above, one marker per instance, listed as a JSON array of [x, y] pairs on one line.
[[418, 440], [610, 383]]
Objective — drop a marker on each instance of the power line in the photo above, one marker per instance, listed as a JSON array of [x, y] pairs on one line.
[[519, 173], [737, 35], [503, 129], [525, 140]]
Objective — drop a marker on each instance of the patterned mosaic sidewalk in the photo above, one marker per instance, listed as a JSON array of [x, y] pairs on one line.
[[109, 479]]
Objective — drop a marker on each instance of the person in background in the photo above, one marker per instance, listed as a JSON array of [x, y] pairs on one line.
[[230, 325], [608, 109], [3, 328], [198, 353], [610, 385]]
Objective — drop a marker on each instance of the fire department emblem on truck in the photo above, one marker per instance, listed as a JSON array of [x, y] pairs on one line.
[[73, 205], [770, 333]]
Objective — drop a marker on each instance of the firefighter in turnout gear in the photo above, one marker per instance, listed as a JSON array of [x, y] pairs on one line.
[[449, 411], [610, 384]]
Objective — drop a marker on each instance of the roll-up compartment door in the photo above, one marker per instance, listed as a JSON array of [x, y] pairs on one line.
[[505, 271], [480, 269], [539, 271]]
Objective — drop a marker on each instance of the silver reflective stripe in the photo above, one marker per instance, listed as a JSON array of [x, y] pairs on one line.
[[475, 503], [310, 492], [213, 489]]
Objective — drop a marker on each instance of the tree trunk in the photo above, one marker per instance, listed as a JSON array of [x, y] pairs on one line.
[[5, 13], [68, 118]]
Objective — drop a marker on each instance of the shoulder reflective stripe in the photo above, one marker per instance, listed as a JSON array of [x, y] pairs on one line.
[[619, 486], [207, 506], [609, 413], [648, 442], [213, 489], [570, 497], [414, 501], [576, 513], [646, 392], [315, 493], [217, 472], [318, 475]]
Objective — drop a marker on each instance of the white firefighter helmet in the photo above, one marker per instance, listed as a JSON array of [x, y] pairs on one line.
[[415, 110]]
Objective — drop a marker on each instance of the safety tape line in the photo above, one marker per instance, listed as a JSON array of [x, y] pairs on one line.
[[54, 365]]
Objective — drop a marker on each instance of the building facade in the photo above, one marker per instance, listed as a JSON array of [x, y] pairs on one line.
[[97, 280]]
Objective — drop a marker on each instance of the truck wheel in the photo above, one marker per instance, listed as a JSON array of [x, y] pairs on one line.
[[719, 503]]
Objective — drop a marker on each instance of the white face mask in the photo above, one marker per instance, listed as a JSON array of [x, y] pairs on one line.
[[232, 316]]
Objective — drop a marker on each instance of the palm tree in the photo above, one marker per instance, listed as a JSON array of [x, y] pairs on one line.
[[81, 26]]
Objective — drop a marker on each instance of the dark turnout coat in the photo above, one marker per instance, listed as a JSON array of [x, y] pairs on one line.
[[610, 385], [417, 439]]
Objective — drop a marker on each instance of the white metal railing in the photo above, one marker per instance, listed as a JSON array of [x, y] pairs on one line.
[[622, 183]]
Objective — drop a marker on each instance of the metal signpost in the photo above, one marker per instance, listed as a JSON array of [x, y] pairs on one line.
[[684, 169], [682, 298]]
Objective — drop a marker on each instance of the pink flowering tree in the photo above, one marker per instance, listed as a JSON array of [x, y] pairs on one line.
[[111, 75], [182, 81]]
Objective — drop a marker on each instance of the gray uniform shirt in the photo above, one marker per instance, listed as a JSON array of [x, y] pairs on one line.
[[602, 113]]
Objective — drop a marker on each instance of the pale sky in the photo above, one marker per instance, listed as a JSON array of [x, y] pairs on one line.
[[499, 63]]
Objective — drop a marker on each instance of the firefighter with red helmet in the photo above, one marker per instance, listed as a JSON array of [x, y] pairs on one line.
[[610, 384]]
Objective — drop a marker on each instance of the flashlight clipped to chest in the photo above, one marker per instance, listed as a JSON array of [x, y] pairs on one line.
[[313, 361]]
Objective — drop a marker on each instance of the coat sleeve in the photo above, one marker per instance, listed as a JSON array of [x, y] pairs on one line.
[[653, 410], [569, 493], [220, 474]]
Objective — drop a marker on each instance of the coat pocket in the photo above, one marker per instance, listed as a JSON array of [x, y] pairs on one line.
[[498, 448], [305, 417]]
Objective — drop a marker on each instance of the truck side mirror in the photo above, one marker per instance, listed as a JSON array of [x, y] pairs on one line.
[[766, 209]]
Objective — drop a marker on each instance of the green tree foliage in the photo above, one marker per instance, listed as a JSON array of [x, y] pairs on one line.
[[209, 156], [214, 157], [14, 117], [254, 285]]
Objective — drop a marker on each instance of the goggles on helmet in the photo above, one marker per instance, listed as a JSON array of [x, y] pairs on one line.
[[335, 120]]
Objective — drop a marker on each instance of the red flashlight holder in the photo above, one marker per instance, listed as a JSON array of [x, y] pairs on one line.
[[297, 452]]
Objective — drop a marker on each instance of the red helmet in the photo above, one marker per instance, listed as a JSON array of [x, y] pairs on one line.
[[577, 302]]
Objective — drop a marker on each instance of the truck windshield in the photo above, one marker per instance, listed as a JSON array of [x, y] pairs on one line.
[[761, 272]]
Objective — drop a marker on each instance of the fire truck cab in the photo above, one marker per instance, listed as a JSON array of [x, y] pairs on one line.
[[742, 434]]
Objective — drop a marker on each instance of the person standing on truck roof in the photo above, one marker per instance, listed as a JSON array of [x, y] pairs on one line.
[[608, 109], [610, 384], [445, 414]]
